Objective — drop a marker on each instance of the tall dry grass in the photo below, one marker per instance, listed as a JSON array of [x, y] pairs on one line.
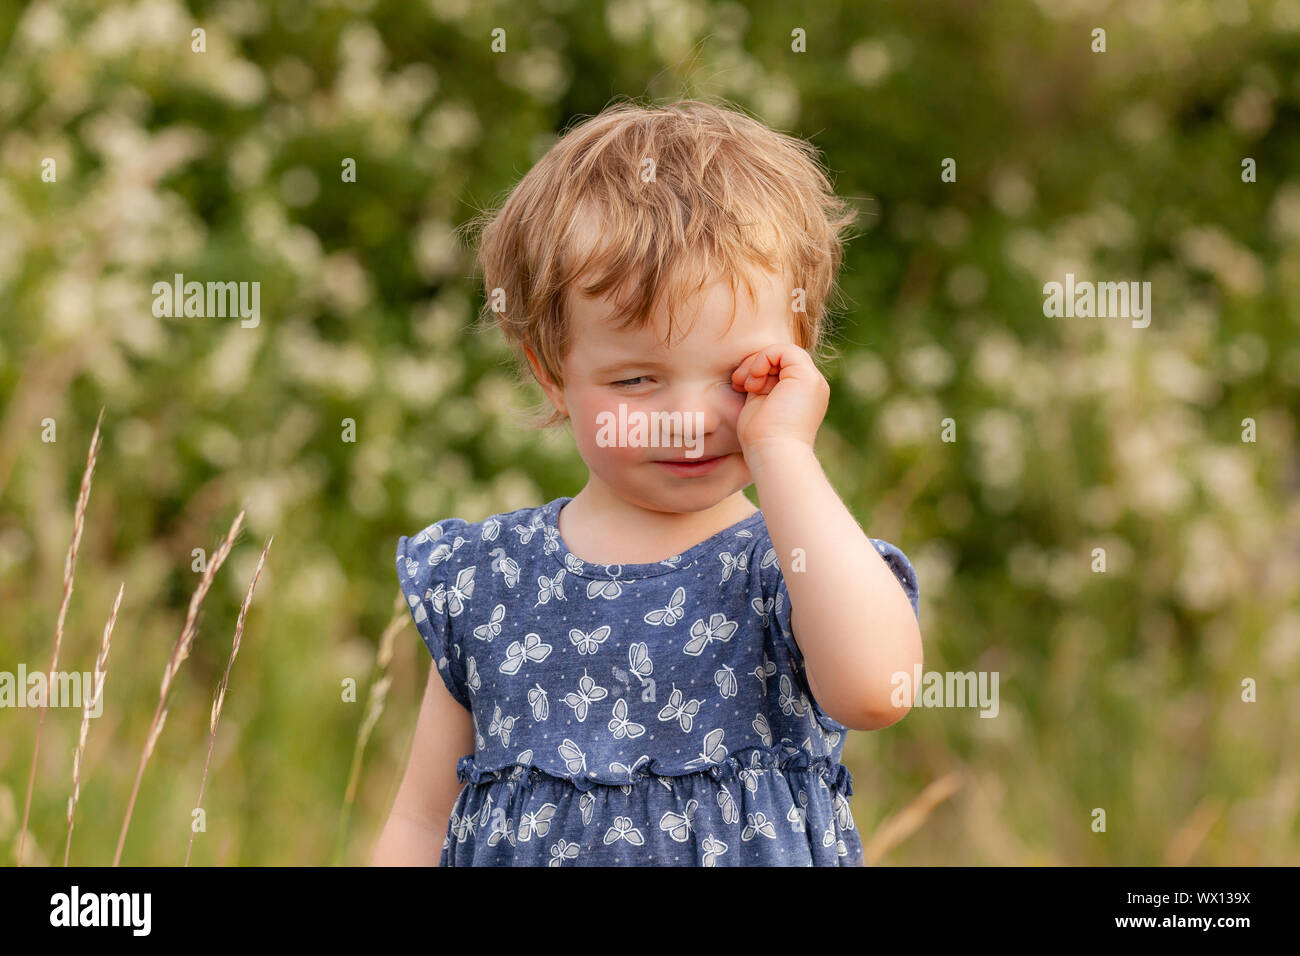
[[179, 653], [97, 696], [69, 564], [220, 698], [374, 707]]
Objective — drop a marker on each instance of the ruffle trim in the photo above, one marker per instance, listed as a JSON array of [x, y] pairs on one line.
[[837, 776]]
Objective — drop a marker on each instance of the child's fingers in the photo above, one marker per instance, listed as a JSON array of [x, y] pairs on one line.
[[753, 374], [741, 375], [760, 372]]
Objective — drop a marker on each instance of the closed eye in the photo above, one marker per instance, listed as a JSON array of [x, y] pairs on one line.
[[631, 382]]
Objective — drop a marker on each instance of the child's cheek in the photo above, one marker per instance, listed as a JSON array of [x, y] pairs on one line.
[[595, 425], [601, 419]]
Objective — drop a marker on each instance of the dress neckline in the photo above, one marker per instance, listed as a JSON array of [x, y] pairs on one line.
[[550, 512]]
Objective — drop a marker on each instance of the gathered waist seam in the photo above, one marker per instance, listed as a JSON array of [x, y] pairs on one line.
[[734, 766]]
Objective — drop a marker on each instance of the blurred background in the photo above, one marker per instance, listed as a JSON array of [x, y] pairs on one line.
[[1120, 690]]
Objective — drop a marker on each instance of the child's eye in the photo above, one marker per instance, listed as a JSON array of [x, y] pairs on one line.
[[628, 382]]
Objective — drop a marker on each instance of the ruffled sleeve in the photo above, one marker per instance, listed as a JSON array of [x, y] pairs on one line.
[[775, 591], [435, 570]]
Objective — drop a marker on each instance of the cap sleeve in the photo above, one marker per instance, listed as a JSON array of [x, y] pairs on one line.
[[436, 575], [780, 596]]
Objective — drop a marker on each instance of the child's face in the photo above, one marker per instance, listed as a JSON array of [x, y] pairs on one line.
[[606, 367]]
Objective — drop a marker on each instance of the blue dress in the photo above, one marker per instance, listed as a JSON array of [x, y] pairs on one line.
[[636, 715]]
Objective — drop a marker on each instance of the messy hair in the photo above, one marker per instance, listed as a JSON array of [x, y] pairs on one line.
[[650, 204]]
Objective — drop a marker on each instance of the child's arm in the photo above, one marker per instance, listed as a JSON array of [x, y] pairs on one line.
[[852, 620], [444, 732]]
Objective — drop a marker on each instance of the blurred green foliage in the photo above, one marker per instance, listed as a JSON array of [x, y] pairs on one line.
[[1119, 690]]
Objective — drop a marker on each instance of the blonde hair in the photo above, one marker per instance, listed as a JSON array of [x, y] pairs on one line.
[[676, 194]]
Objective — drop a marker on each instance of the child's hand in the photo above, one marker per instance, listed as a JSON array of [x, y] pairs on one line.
[[787, 398]]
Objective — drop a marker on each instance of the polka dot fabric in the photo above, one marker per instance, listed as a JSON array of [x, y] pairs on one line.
[[639, 714]]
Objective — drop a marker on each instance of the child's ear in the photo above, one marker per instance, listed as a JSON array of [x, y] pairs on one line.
[[552, 392]]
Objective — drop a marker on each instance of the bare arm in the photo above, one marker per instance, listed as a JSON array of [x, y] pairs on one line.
[[853, 622], [444, 732]]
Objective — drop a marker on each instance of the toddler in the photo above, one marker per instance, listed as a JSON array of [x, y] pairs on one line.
[[654, 671]]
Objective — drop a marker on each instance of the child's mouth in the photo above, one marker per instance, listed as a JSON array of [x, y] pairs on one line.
[[690, 467]]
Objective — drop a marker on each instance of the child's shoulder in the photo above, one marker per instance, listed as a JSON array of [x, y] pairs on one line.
[[485, 529], [459, 543]]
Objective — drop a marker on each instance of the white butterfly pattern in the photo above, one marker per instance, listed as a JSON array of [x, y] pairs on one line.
[[486, 632], [536, 821], [443, 551], [631, 771], [749, 730], [680, 710], [548, 588], [561, 851], [750, 775], [575, 761], [527, 531], [454, 598], [587, 694], [501, 726], [672, 613], [532, 648], [718, 629], [713, 849], [843, 813], [797, 815], [539, 701], [732, 563], [790, 705], [588, 643], [638, 659], [727, 804], [757, 824], [712, 752], [506, 566], [417, 608], [678, 826], [461, 827], [621, 725], [829, 839], [623, 829], [609, 590], [505, 827], [763, 671], [725, 680]]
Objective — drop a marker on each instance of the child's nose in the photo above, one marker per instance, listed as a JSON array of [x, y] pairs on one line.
[[704, 407]]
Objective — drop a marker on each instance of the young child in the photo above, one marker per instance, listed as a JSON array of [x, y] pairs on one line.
[[656, 672]]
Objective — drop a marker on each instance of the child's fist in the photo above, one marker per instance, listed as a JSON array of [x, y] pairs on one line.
[[786, 401]]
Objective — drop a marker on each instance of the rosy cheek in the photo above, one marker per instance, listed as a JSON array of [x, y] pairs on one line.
[[596, 431]]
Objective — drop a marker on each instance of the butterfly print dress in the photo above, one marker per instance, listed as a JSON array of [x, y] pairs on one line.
[[629, 715]]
